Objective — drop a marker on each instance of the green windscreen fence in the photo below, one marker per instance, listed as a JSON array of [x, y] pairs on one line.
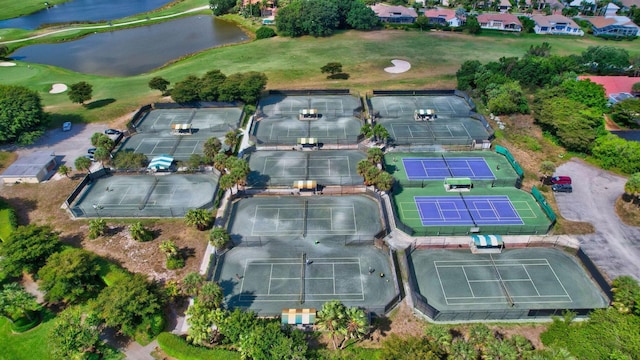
[[543, 204], [502, 150]]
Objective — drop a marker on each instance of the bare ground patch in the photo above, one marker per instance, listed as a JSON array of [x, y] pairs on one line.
[[628, 212], [40, 204]]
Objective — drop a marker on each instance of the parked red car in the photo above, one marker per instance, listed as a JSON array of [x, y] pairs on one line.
[[561, 180]]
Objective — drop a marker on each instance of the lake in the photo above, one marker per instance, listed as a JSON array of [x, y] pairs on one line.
[[83, 11], [137, 50]]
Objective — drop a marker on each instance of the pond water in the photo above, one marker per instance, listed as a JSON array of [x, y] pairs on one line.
[[137, 50], [83, 11]]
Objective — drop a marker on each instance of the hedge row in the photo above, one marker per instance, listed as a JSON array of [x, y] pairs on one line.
[[8, 220], [177, 347]]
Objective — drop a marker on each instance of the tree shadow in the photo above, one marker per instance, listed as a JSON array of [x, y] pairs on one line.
[[382, 324], [22, 208], [187, 252], [339, 76], [99, 103], [56, 120]]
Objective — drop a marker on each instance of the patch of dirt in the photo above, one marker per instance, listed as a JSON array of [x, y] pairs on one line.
[[40, 204], [610, 124], [628, 212]]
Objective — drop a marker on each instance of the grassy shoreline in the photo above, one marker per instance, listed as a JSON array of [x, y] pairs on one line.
[[13, 9]]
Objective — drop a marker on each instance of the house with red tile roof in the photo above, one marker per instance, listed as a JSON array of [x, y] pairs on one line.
[[556, 25], [503, 22], [443, 17], [616, 88]]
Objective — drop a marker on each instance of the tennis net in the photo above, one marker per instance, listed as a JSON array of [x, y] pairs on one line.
[[502, 285]]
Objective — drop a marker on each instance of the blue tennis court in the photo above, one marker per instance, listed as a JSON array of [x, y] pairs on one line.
[[467, 210], [475, 168]]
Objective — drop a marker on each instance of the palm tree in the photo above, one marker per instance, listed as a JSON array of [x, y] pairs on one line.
[[371, 175], [439, 334], [219, 237], [462, 350], [97, 227], [139, 233], [210, 295], [169, 248], [480, 336], [500, 350], [375, 155], [367, 131], [362, 167], [380, 133], [331, 318], [191, 283], [522, 345], [226, 182], [219, 161], [356, 325], [82, 163], [200, 218], [232, 138], [384, 181], [64, 170]]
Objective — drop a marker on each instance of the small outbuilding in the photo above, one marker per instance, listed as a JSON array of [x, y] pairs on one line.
[[32, 168], [161, 163]]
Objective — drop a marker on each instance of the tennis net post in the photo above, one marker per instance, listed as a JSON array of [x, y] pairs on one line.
[[502, 285]]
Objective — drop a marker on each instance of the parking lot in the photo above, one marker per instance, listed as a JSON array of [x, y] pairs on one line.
[[68, 144]]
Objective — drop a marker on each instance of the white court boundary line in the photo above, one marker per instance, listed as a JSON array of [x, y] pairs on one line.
[[509, 262], [276, 221], [295, 262]]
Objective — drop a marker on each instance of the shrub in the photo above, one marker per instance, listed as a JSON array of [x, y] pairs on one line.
[[265, 32], [24, 323], [175, 262], [177, 347]]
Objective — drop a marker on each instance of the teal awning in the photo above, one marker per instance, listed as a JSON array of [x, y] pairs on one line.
[[161, 162], [487, 240]]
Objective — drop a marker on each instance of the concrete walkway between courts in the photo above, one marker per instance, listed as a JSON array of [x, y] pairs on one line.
[[97, 27]]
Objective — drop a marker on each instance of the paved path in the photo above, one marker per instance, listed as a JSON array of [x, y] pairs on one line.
[[96, 27], [615, 247]]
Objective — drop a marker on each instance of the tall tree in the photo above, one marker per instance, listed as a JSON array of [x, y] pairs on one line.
[[356, 325], [331, 318], [127, 303], [28, 248], [82, 163], [187, 90], [80, 92], [191, 283], [70, 276], [219, 237], [64, 170], [16, 302], [210, 83], [22, 118], [472, 25], [159, 83], [74, 335], [375, 155], [211, 148]]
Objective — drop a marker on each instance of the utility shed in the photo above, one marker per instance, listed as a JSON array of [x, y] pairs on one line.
[[32, 168]]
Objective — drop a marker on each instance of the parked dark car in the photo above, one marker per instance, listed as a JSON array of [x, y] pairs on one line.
[[91, 151], [561, 180], [112, 132], [562, 188]]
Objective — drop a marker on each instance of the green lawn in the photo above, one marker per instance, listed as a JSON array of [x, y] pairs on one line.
[[295, 63], [29, 345], [13, 8]]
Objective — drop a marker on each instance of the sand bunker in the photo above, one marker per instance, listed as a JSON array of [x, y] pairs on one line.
[[58, 88], [6, 63], [399, 66]]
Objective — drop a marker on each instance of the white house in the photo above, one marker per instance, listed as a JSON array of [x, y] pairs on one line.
[[443, 17], [556, 25], [503, 22]]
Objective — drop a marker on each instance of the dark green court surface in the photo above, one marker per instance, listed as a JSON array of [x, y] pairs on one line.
[[452, 126], [294, 274], [326, 167], [278, 123], [305, 219], [145, 196], [516, 284], [154, 134]]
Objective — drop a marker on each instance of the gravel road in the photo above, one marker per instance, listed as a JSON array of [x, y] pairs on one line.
[[615, 247]]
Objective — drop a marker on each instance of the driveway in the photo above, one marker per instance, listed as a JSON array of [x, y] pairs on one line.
[[615, 247], [68, 145]]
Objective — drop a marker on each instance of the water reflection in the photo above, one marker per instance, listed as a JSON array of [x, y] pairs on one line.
[[137, 50]]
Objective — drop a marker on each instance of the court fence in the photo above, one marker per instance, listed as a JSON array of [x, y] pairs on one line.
[[85, 181], [308, 92], [503, 151], [421, 304], [506, 182], [138, 116], [291, 142], [270, 182], [595, 273], [546, 208]]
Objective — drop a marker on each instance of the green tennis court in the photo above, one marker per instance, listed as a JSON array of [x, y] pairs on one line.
[[505, 175], [145, 196], [155, 134], [278, 121], [528, 210], [452, 125], [461, 284], [282, 274], [326, 167]]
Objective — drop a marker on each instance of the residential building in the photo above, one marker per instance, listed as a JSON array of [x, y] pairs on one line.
[[395, 14], [443, 17], [616, 26], [627, 4], [613, 84], [556, 25], [503, 22], [505, 6]]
